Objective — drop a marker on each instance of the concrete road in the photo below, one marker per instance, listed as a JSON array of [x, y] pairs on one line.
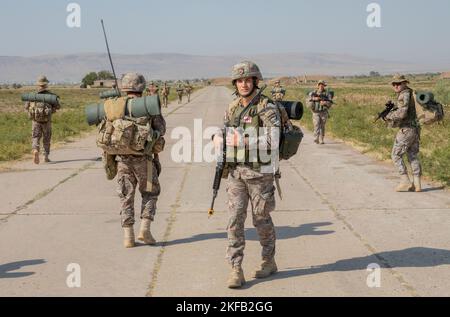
[[338, 216]]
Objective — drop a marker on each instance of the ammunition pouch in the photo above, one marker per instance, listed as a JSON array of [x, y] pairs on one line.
[[40, 112], [110, 165]]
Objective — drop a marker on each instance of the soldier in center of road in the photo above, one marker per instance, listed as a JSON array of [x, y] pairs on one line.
[[250, 182]]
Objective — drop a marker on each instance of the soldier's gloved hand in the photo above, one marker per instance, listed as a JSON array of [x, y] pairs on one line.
[[158, 147]]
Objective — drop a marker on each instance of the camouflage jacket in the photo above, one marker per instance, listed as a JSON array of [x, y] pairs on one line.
[[315, 106], [405, 115], [268, 117]]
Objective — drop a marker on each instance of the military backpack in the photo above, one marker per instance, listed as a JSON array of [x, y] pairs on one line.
[[124, 135]]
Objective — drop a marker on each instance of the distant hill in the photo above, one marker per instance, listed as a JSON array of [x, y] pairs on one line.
[[71, 68]]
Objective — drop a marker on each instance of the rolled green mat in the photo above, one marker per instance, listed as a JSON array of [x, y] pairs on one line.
[[294, 109], [424, 97], [36, 97], [140, 107], [109, 94]]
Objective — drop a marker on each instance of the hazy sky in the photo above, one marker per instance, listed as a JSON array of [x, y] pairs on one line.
[[411, 29]]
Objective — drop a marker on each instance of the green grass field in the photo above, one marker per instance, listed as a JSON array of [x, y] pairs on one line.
[[15, 127], [357, 103]]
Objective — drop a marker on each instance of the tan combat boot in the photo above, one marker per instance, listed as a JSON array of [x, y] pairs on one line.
[[144, 233], [405, 184], [267, 268], [417, 184], [321, 140], [316, 140], [36, 156], [236, 279], [128, 237]]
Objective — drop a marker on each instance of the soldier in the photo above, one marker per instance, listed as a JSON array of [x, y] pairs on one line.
[[407, 140], [165, 94], [249, 181], [153, 89], [319, 102], [278, 91], [41, 115], [180, 91], [188, 90], [132, 171]]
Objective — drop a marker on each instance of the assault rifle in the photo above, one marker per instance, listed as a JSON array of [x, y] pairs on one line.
[[390, 106]]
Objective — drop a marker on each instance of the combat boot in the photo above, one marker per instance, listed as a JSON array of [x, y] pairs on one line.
[[46, 159], [36, 156], [321, 140], [417, 184], [144, 233], [236, 279], [128, 238], [316, 140], [267, 268], [405, 184]]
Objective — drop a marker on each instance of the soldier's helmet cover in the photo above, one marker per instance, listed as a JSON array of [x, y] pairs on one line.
[[245, 69], [133, 82]]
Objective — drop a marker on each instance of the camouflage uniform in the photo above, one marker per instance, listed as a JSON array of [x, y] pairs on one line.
[[407, 140], [132, 171], [165, 95], [188, 89], [278, 92], [42, 129], [320, 113], [180, 92], [248, 183]]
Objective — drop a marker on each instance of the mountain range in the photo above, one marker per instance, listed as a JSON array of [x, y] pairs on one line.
[[72, 67]]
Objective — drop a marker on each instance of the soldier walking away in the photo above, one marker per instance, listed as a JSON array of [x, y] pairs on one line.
[[140, 170], [41, 115], [248, 182], [180, 91], [165, 94], [188, 90], [278, 91], [407, 140], [320, 101]]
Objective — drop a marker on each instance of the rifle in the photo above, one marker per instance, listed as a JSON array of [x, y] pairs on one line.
[[220, 167], [110, 59], [390, 106]]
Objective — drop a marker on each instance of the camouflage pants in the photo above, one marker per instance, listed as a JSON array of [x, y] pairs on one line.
[[44, 131], [165, 100], [407, 142], [189, 96], [319, 121], [180, 97], [244, 186], [132, 171]]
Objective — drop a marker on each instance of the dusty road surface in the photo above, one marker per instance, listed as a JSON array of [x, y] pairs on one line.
[[338, 216]]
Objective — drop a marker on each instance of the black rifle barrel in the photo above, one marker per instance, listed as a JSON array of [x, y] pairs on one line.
[[109, 55]]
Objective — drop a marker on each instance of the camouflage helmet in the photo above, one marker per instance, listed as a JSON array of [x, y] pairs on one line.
[[133, 82], [42, 81], [322, 82], [398, 79], [245, 69]]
